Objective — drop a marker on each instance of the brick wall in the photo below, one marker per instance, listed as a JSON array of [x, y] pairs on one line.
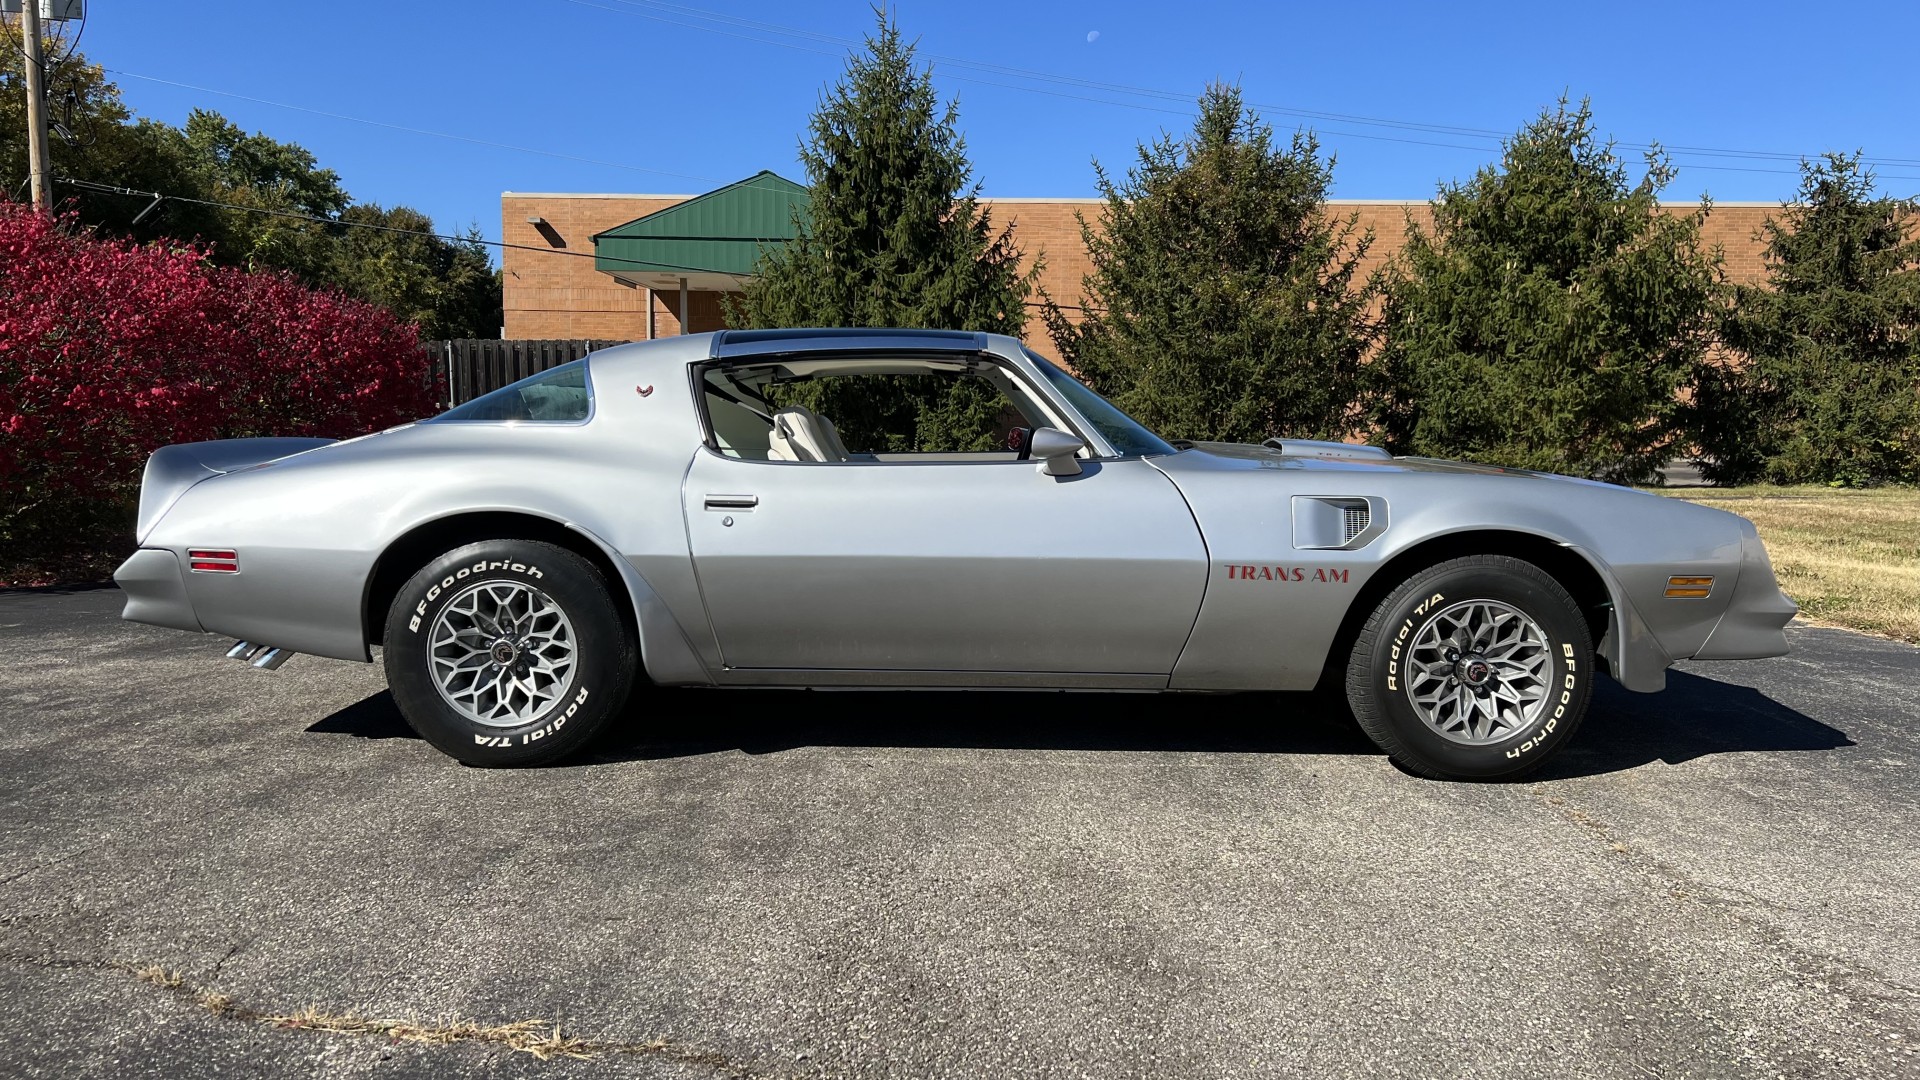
[[554, 292]]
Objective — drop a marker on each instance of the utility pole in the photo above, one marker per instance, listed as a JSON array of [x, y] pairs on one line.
[[36, 107]]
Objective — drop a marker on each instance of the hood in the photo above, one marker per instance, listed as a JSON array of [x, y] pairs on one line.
[[1350, 457]]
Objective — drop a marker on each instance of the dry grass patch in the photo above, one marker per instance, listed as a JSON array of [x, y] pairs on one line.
[[1848, 557]]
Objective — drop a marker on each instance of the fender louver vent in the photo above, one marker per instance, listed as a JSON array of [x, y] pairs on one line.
[[1354, 521], [1337, 522]]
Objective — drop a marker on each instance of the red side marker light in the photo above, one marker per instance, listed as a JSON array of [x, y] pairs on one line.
[[213, 560]]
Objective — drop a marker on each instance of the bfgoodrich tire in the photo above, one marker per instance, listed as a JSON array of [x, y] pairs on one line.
[[508, 652], [1476, 669]]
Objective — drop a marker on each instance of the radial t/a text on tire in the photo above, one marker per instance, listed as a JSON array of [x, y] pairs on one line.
[[508, 652], [1479, 668]]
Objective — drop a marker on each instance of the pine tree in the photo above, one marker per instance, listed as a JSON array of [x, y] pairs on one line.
[[1224, 302], [1823, 384], [893, 234], [1550, 317]]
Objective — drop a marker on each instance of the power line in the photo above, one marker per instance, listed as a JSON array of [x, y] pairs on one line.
[[111, 189], [409, 130], [158, 197], [636, 8], [631, 7]]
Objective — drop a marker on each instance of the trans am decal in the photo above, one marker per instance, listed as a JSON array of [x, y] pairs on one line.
[[1243, 572]]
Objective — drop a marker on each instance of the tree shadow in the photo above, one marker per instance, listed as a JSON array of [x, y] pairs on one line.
[[1693, 718]]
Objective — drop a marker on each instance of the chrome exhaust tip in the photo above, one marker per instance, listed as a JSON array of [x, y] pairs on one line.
[[264, 657], [270, 658]]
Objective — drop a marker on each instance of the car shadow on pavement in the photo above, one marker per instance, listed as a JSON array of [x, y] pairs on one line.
[[771, 721], [1692, 718]]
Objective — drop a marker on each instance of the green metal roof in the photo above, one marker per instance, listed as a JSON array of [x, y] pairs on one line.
[[722, 231]]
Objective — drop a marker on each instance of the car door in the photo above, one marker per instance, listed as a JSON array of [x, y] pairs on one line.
[[949, 567]]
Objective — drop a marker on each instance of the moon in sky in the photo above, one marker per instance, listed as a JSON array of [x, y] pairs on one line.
[[1093, 36]]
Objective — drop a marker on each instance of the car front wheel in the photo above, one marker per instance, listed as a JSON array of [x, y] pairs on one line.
[[508, 652], [1475, 669]]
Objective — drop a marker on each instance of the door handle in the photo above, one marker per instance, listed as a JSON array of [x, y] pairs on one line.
[[732, 502]]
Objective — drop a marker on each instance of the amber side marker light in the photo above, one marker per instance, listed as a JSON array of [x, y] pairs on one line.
[[1689, 588], [213, 560]]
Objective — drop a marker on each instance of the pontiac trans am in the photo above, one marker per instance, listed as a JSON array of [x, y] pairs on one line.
[[690, 512]]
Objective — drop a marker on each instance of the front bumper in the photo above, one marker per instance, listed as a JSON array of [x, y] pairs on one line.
[[156, 590], [1753, 626]]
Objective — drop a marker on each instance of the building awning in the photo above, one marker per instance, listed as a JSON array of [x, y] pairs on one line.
[[712, 241]]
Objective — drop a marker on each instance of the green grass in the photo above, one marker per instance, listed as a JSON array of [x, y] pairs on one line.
[[1847, 557]]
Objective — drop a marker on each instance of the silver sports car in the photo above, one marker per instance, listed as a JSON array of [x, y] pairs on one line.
[[915, 509]]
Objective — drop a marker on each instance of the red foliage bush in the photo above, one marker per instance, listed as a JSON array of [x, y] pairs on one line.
[[109, 350]]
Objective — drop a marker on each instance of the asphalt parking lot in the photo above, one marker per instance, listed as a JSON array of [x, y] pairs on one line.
[[1718, 881]]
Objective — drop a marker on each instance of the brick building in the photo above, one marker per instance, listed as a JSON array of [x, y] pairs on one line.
[[644, 247]]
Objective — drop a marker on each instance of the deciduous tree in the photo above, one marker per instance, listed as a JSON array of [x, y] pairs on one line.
[[447, 287]]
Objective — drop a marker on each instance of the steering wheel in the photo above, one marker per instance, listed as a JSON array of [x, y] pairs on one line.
[[1020, 441]]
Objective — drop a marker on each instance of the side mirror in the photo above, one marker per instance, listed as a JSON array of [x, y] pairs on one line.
[[1055, 449]]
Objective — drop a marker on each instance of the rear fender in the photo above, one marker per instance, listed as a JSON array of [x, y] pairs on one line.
[[665, 653], [173, 469]]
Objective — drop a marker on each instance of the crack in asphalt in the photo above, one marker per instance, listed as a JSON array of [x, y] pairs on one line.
[[1857, 982], [55, 861], [540, 1038]]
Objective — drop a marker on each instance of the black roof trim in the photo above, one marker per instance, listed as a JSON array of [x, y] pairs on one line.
[[729, 344]]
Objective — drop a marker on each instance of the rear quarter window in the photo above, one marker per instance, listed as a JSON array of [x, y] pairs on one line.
[[558, 396]]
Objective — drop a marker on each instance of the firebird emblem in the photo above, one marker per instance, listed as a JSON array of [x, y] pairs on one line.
[[643, 391]]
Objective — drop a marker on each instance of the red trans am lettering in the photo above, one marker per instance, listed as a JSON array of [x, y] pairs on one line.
[[1243, 572]]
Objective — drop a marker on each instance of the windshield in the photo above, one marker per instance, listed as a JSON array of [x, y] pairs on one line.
[[1129, 439]]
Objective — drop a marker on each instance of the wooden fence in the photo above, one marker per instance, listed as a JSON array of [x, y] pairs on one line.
[[470, 367]]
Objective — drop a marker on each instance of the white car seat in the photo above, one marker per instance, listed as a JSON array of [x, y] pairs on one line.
[[800, 434]]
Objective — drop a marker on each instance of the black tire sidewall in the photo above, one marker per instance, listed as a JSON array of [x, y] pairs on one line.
[[605, 658], [1569, 646]]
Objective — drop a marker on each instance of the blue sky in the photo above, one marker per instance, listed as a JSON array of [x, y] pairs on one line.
[[684, 96]]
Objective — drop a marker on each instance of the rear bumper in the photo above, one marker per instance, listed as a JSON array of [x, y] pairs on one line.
[[156, 590], [1753, 626]]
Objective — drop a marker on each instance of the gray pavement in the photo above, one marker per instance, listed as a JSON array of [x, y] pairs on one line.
[[1718, 881]]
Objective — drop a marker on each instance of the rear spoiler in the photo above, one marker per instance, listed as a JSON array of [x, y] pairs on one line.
[[173, 469]]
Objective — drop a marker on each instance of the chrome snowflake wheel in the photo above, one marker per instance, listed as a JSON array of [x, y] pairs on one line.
[[1477, 672], [502, 653]]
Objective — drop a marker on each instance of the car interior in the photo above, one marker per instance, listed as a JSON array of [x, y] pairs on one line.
[[779, 410]]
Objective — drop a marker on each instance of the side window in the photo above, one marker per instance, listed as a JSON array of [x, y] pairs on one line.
[[556, 396], [943, 412], [869, 410], [740, 419]]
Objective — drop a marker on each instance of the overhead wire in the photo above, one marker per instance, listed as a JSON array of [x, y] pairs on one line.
[[652, 9], [405, 128], [318, 219]]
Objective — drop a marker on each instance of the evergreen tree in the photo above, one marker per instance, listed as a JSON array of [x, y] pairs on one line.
[[1824, 382], [1551, 315], [1224, 302], [893, 234]]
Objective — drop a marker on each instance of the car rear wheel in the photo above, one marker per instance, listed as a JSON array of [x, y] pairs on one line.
[[508, 652], [1476, 669]]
